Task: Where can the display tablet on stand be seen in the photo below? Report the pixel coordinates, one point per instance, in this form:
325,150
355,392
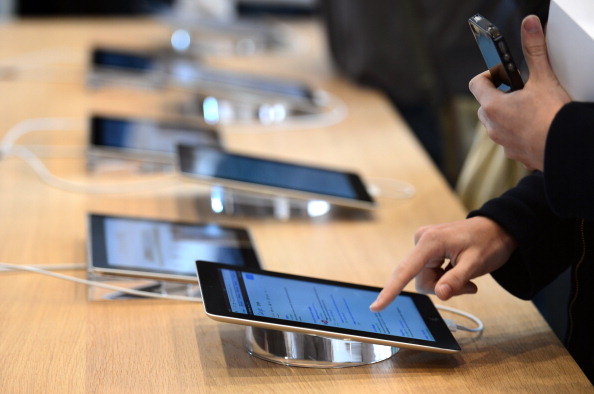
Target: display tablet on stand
149,143
274,178
278,301
159,251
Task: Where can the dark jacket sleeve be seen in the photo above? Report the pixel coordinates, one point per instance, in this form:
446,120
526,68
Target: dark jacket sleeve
546,241
569,162
544,210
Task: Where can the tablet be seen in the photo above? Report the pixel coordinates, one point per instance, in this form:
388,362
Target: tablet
262,175
144,139
124,60
188,71
321,307
157,249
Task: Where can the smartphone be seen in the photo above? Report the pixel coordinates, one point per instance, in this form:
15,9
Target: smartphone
144,139
163,250
327,308
273,177
504,71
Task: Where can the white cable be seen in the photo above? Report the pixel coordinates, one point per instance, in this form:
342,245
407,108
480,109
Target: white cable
67,185
54,267
38,124
140,293
479,324
8,147
46,270
390,188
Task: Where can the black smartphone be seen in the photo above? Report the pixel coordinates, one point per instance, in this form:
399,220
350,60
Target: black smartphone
504,71
247,296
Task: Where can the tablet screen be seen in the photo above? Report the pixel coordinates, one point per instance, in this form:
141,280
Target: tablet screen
140,247
334,307
123,59
145,135
246,171
321,304
189,71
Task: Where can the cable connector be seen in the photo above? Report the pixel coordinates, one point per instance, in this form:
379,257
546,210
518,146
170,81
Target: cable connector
453,326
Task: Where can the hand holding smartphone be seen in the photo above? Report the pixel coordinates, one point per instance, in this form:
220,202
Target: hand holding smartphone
504,71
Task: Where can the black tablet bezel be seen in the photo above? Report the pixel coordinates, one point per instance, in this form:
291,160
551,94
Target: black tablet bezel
363,200
215,304
97,249
97,134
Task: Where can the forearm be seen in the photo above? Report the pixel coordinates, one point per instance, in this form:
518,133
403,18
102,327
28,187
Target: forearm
545,240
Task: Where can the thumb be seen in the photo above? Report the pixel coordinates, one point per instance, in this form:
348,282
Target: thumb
535,48
455,281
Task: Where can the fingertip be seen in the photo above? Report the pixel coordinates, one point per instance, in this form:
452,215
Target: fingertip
532,25
443,291
376,306
382,300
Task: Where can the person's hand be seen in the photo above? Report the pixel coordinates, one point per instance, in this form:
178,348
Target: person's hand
471,247
520,120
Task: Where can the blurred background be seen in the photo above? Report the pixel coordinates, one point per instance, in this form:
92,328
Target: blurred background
419,53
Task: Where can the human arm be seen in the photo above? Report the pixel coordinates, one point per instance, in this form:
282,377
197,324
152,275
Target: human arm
569,162
516,237
520,120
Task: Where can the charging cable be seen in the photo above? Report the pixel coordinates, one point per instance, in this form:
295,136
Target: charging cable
8,147
453,326
47,271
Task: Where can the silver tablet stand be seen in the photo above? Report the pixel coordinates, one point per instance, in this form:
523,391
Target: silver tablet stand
285,347
238,203
312,351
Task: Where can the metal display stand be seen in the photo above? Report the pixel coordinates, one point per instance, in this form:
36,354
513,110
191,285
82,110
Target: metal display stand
312,351
284,347
238,203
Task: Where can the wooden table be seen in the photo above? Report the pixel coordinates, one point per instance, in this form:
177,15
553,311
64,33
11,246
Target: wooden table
53,339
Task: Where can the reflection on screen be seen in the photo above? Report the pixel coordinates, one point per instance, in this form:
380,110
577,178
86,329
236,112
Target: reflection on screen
149,136
492,60
321,304
169,247
122,59
216,164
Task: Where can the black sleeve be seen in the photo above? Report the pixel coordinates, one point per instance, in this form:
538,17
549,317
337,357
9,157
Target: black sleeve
569,162
546,241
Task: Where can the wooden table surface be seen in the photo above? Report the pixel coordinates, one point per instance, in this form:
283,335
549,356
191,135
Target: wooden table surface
53,339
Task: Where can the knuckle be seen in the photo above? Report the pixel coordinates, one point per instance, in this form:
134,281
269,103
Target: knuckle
537,50
429,234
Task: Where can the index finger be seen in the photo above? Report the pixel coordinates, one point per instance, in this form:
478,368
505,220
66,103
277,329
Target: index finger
406,271
482,87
